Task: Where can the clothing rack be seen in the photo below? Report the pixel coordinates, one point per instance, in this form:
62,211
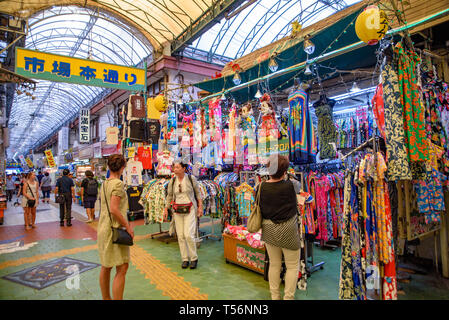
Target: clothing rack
308,247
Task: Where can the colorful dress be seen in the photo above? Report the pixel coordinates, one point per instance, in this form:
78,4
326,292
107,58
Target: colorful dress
303,144
397,158
414,112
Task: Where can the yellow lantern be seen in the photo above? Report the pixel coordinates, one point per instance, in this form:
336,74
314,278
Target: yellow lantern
160,103
371,25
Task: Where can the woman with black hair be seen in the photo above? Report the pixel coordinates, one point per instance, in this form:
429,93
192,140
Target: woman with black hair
183,197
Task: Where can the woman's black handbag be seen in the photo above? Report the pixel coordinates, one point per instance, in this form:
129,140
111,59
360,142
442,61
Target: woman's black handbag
119,235
60,199
31,203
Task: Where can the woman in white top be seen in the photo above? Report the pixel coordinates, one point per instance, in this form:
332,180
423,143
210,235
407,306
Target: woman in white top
30,193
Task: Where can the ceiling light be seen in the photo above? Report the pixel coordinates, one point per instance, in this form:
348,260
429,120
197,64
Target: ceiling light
355,88
223,97
180,101
237,79
258,95
307,72
309,47
19,92
273,65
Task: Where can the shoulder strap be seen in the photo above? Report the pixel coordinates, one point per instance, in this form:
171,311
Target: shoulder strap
193,187
30,189
106,200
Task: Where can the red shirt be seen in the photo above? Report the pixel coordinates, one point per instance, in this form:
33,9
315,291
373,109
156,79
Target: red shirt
145,155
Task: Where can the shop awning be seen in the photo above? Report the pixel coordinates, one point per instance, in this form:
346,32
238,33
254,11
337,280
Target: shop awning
323,34
290,52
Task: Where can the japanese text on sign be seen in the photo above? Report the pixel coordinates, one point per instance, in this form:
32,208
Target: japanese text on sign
84,125
52,67
50,159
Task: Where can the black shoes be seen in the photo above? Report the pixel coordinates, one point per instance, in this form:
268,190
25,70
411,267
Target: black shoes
61,223
193,264
69,223
185,264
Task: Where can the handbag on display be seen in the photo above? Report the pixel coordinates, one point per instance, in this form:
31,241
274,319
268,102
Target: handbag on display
31,203
119,235
255,219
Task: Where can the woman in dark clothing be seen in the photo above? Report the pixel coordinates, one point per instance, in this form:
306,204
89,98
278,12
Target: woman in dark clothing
278,206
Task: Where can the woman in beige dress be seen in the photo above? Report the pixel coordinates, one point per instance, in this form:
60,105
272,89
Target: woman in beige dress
30,192
113,195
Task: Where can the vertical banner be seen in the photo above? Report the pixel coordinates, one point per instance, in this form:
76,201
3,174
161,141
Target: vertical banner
22,160
63,140
50,159
29,162
84,121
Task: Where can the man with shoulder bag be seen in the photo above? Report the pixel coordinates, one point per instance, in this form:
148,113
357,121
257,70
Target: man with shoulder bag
89,192
64,195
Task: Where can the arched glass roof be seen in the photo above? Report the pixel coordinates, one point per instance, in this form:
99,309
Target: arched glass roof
159,20
77,32
262,23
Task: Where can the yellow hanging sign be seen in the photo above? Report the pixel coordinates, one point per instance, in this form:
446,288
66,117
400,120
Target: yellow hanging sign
29,162
50,159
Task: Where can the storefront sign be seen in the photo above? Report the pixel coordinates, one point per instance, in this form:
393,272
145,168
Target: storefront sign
86,153
107,150
53,67
84,125
268,148
50,159
250,256
97,150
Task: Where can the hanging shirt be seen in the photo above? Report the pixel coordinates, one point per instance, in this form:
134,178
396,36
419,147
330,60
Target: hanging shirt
136,107
144,155
134,173
164,163
112,135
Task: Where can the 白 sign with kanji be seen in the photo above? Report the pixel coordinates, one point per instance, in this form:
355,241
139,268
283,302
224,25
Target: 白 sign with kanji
84,125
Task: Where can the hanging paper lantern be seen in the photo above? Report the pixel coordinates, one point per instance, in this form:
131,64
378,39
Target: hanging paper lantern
160,103
371,25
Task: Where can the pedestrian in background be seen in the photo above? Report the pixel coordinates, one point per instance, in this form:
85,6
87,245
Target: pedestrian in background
114,207
10,187
66,188
30,200
45,185
89,192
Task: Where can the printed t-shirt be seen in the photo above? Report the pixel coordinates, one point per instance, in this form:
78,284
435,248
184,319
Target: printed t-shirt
144,155
112,135
134,173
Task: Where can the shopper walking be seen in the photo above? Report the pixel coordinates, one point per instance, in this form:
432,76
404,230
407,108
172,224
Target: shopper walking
89,192
46,187
30,200
278,207
66,188
10,187
114,198
39,177
183,198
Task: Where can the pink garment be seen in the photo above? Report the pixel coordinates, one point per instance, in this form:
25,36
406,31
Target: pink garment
322,188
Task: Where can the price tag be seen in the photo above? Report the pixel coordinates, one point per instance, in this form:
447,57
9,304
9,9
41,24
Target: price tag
247,196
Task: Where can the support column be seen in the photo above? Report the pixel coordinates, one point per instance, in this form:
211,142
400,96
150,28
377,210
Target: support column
443,238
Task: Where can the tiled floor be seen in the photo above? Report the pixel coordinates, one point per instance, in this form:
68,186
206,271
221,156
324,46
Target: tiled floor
155,272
